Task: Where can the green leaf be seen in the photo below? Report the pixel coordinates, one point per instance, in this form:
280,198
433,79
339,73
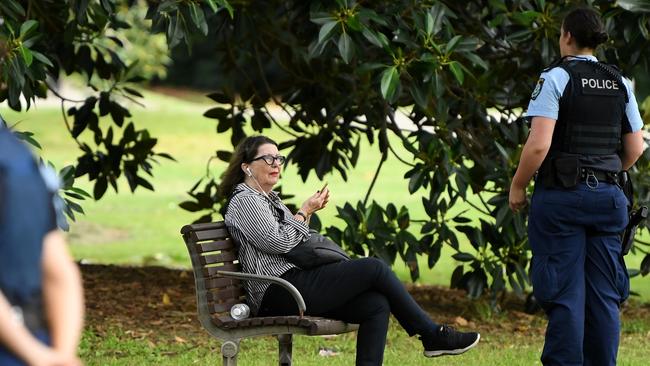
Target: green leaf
468,44
213,5
12,8
191,206
133,92
525,18
476,60
354,23
456,69
645,265
100,188
451,45
346,47
498,4
420,95
438,85
326,31
463,257
369,14
28,57
27,28
389,82
322,18
40,57
80,192
27,137
502,151
376,38
643,27
635,6
438,13
429,24
198,18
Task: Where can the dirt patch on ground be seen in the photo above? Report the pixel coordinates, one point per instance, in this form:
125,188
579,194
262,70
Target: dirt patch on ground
158,303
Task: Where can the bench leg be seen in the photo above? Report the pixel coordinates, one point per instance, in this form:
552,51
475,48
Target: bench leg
229,350
284,346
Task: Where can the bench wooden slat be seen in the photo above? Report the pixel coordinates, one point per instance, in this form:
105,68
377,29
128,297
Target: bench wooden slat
223,307
212,271
226,256
207,226
211,246
221,282
225,294
225,321
256,321
215,234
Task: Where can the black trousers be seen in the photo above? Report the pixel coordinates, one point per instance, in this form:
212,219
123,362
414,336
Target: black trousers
361,291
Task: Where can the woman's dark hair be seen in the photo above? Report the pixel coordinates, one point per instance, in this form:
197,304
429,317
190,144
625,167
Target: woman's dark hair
585,27
244,153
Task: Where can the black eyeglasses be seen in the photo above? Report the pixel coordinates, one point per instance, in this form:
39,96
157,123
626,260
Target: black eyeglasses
269,159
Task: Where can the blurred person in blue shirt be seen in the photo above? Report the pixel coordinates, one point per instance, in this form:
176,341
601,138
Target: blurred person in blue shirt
41,299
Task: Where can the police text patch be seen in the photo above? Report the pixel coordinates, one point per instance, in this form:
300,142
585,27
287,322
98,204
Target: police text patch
538,88
598,84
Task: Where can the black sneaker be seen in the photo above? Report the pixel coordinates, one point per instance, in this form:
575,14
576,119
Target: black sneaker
449,341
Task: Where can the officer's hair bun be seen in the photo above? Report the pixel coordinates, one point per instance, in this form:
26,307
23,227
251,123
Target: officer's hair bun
600,37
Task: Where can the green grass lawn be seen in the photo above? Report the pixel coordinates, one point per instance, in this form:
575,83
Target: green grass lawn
143,227
497,348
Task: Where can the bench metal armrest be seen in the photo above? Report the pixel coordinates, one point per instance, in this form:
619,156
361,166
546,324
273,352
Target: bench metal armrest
276,280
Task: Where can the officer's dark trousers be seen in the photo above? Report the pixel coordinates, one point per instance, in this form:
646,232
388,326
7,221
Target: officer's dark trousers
577,271
361,291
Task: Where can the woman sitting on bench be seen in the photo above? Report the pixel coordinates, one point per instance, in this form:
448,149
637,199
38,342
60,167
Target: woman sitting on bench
361,291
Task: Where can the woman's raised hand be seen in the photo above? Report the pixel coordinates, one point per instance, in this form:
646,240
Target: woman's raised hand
316,202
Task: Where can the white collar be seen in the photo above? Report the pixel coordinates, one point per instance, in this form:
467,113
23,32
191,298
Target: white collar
584,57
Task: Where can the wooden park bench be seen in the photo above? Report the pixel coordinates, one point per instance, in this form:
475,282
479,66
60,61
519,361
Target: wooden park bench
218,280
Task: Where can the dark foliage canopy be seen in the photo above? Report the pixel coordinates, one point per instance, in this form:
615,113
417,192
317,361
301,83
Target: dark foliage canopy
460,72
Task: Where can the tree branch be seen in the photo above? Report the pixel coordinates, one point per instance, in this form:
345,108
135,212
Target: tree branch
374,179
67,124
268,90
51,88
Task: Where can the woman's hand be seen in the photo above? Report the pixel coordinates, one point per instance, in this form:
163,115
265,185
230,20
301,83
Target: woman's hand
316,202
517,198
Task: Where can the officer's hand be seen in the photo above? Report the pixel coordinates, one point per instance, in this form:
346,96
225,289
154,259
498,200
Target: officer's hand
47,356
517,198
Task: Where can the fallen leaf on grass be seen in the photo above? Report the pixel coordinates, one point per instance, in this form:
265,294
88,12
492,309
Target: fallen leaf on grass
327,352
329,336
460,321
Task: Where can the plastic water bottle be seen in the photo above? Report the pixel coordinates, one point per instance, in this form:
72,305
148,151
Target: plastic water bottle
240,311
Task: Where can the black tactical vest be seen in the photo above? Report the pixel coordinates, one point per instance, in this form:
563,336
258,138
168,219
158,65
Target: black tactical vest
591,115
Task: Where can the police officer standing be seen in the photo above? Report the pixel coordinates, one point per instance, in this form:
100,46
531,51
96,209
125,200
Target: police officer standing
585,130
41,301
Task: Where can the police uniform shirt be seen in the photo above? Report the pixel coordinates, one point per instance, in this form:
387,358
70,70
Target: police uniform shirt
545,100
26,215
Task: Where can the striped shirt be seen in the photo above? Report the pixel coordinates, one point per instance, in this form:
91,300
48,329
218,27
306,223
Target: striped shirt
263,230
